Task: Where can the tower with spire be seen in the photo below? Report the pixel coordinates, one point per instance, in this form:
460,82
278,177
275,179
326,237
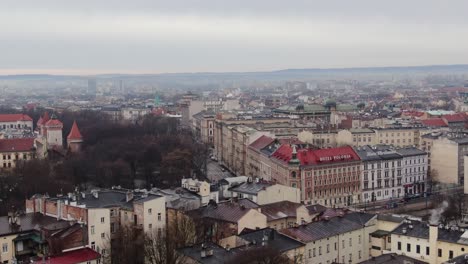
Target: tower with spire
74,139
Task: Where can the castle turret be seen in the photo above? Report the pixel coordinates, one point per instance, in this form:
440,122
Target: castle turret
53,133
74,139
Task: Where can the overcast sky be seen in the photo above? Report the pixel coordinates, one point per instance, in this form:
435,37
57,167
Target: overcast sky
151,36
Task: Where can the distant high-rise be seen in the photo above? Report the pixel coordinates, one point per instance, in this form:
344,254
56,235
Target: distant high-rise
92,86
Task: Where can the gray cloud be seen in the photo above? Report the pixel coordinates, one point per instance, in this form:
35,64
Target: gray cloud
214,35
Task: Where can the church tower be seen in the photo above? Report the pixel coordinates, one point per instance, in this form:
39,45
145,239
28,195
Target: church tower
74,139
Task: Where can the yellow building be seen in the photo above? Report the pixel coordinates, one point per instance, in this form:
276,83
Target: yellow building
431,243
14,150
340,239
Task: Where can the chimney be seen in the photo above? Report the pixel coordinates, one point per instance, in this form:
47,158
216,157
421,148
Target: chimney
95,193
433,234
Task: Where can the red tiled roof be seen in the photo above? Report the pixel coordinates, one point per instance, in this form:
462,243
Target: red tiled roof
458,117
81,255
53,122
14,117
317,156
16,144
434,122
261,142
74,132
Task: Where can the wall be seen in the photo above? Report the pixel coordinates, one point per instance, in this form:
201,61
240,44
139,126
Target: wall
444,161
253,220
157,217
278,193
101,233
7,256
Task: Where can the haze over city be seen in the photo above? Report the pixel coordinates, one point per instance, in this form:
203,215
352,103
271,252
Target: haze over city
92,37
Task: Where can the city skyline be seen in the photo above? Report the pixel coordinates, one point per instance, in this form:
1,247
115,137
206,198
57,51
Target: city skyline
158,37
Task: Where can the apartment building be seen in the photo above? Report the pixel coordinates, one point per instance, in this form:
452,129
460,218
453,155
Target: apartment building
381,174
286,214
104,212
399,136
263,192
16,121
325,176
447,160
428,242
14,150
203,126
341,239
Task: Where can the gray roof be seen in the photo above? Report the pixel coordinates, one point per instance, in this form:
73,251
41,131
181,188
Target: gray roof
180,198
410,151
462,259
251,188
377,152
421,230
30,222
111,198
392,258
224,211
328,228
391,218
271,238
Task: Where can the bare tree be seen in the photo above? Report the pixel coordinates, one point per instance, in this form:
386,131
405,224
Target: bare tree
162,248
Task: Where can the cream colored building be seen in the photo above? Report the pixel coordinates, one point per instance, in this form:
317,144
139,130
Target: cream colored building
201,188
341,239
262,192
323,138
399,137
430,243
285,214
381,238
14,150
447,159
356,137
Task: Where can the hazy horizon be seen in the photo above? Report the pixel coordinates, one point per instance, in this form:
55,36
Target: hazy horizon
151,37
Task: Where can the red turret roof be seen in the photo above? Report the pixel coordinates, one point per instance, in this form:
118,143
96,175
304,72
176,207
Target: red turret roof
43,119
74,132
53,122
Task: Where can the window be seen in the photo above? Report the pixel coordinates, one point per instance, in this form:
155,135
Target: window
102,219
313,251
418,249
320,251
439,252
112,212
399,245
427,251
343,243
359,239
350,242
112,227
450,254
92,230
159,216
328,248
93,245
103,235
150,211
5,247
359,254
310,253
408,247
150,226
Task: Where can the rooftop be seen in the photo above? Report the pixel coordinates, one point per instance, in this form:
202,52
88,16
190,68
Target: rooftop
280,210
308,156
251,187
328,228
392,258
16,144
81,255
30,222
14,117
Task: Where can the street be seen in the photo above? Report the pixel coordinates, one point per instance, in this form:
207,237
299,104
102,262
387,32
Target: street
215,173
